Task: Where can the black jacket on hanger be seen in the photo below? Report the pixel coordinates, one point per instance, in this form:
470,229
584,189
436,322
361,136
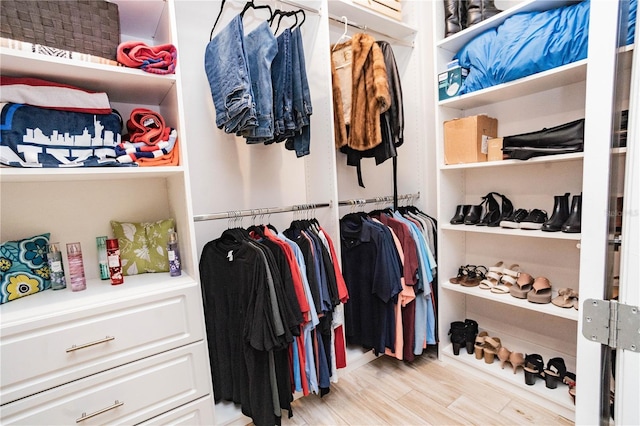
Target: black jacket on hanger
391,121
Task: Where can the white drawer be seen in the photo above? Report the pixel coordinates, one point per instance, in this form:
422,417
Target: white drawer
39,354
198,412
146,388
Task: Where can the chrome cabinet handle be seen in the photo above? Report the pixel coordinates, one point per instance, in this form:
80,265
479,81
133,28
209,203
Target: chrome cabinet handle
86,345
86,416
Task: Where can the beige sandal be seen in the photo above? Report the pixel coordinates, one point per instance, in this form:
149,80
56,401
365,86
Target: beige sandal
492,278
566,298
523,285
491,347
541,291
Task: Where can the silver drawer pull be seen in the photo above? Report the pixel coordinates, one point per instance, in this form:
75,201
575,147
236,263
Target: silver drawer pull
86,416
86,345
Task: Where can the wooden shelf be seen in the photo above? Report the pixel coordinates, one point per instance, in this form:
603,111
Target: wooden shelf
578,156
16,174
558,397
372,20
507,299
511,232
557,77
122,84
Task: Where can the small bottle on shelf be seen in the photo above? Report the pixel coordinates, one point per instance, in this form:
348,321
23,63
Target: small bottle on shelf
102,257
173,251
76,267
54,259
113,259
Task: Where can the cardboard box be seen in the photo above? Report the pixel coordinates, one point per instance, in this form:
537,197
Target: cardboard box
450,82
495,149
466,139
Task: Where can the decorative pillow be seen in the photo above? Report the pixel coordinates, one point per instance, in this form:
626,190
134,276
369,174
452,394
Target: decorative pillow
23,267
143,246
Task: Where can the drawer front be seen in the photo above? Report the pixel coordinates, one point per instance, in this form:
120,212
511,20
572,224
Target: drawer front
198,412
71,346
125,395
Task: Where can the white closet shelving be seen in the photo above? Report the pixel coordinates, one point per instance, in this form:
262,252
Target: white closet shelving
150,314
542,100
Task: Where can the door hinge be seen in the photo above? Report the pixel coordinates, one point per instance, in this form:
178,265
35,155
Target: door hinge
611,323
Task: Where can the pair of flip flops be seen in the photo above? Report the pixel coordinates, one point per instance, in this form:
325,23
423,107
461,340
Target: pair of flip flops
567,298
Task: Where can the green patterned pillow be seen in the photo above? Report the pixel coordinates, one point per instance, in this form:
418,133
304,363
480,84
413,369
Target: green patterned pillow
143,246
23,267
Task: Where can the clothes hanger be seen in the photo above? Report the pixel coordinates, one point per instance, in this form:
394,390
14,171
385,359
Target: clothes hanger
252,5
217,19
344,36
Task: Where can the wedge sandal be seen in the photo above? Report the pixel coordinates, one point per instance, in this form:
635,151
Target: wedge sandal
522,287
540,292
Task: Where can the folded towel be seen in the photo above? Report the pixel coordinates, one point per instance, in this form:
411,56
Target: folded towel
127,152
155,59
145,125
51,95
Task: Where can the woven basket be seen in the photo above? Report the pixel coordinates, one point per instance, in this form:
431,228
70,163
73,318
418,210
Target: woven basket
85,26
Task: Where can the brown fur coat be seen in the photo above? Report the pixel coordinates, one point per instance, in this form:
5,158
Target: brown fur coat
369,94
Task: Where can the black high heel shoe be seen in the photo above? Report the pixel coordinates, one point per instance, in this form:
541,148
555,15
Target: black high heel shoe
555,372
506,210
491,216
458,333
471,333
533,368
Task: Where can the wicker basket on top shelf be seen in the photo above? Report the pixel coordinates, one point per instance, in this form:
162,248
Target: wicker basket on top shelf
85,26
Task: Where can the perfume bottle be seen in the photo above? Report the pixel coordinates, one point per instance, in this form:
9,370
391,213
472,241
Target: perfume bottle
76,267
113,259
103,267
173,251
54,259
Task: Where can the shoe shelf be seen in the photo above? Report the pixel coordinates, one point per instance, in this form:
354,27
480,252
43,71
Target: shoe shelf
547,308
512,232
559,397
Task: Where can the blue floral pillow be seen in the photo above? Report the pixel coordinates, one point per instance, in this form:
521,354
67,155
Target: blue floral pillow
23,267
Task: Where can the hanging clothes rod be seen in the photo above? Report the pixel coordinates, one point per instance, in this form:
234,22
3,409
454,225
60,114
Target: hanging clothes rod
388,198
257,212
365,29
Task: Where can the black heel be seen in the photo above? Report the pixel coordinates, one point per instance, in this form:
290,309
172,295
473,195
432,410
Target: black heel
470,335
458,332
533,366
492,215
555,371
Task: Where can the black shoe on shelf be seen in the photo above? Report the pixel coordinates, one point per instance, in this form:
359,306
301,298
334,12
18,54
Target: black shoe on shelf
461,212
513,221
534,220
458,333
560,214
573,223
491,216
474,215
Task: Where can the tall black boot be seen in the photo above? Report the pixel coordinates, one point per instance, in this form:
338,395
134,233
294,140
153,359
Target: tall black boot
458,335
479,10
560,214
573,223
455,16
470,335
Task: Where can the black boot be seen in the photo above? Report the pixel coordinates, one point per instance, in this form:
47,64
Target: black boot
479,10
572,224
461,212
455,16
471,333
458,333
560,214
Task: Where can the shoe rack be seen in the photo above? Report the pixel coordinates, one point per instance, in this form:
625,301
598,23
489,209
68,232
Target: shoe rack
546,99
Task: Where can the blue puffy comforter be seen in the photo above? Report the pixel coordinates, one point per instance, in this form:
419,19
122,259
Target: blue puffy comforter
530,42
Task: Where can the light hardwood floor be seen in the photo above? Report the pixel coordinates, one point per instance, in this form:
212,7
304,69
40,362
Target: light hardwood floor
426,392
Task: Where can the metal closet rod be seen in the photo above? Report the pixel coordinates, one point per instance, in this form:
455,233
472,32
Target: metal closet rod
257,212
357,201
351,24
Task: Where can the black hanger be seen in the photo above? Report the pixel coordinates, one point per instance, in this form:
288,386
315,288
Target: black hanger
252,5
248,5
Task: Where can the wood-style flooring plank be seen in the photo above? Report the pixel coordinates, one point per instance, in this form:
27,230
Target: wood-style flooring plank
426,391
